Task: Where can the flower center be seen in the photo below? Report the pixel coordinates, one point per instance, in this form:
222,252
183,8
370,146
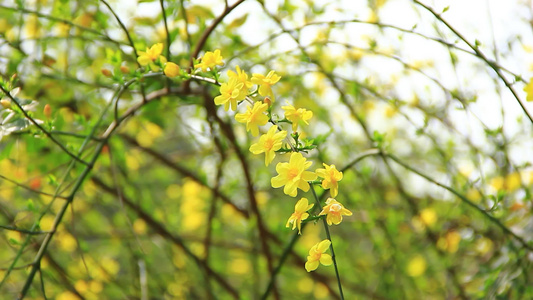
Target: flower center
317,255
335,208
293,172
269,143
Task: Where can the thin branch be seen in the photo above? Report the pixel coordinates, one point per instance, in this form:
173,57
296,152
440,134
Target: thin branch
30,232
56,19
161,230
464,199
328,235
30,189
481,55
48,134
203,39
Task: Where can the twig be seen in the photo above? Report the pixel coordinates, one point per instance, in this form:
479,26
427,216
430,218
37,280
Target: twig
328,235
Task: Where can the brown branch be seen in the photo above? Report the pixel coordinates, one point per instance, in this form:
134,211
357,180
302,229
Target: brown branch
230,135
184,172
211,28
165,233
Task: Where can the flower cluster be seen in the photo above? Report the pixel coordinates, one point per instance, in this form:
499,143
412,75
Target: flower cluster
257,91
294,174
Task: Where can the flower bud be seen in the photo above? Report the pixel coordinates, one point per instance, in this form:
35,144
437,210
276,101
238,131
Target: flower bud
106,73
124,70
5,103
171,69
267,101
47,111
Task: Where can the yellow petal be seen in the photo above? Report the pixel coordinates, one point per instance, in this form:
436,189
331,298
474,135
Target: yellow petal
311,265
326,259
324,245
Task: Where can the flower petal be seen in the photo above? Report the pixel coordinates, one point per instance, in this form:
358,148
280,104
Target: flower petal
326,259
311,265
323,246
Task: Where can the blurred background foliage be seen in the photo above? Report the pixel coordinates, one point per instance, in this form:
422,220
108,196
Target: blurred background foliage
164,213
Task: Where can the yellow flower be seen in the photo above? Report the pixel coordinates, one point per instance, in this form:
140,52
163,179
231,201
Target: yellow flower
210,60
150,55
171,69
230,93
316,254
269,143
334,211
254,117
331,178
529,90
299,214
297,115
265,83
293,175
241,76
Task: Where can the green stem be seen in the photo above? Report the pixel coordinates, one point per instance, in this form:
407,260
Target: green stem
464,199
284,256
330,246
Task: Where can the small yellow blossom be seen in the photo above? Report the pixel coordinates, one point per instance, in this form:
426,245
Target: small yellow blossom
334,211
331,178
293,175
151,54
241,76
416,266
529,90
171,69
265,83
210,60
269,143
33,27
428,216
5,103
297,115
449,242
512,182
316,255
299,214
230,93
254,117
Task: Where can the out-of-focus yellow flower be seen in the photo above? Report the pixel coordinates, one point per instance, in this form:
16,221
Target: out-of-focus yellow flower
293,175
428,216
316,255
139,226
331,178
254,117
513,181
241,76
299,214
151,55
334,210
268,143
5,103
240,266
449,242
417,266
210,60
33,26
62,29
171,69
67,296
497,183
230,93
265,83
297,115
473,195
529,90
